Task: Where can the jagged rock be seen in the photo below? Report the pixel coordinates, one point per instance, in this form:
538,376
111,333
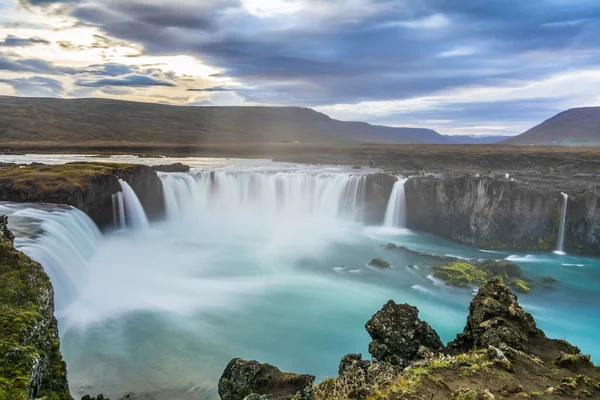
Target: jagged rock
573,362
242,378
497,319
398,334
99,397
176,167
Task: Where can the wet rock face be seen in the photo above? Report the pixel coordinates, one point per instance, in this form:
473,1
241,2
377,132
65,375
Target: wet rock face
399,336
485,212
582,233
31,365
242,379
378,190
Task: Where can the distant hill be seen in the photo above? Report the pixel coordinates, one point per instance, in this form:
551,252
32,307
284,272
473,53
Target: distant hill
471,139
99,121
574,127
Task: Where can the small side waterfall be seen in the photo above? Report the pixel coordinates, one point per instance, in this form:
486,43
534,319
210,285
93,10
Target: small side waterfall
560,243
395,214
274,195
61,238
130,208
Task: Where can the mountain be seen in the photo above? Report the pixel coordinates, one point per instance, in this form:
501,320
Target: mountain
577,126
114,122
472,139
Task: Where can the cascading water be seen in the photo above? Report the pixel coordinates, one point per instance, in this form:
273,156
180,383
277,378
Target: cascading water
130,208
560,243
395,215
271,195
60,238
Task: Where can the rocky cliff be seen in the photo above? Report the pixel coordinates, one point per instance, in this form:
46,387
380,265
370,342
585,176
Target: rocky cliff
378,190
31,366
489,213
500,354
582,233
86,186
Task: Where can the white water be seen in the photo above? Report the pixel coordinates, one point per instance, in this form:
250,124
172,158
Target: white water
61,238
560,243
395,215
132,210
274,196
253,264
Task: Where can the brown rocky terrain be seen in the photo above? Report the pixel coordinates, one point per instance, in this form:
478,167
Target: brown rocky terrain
501,354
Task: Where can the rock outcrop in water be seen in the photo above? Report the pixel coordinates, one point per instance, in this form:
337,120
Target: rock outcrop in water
31,366
501,354
86,186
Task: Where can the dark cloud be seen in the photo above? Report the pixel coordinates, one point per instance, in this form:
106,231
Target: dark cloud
403,51
212,89
132,80
14,41
10,63
36,86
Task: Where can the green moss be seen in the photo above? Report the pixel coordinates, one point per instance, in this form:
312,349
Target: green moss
23,288
45,179
520,285
460,274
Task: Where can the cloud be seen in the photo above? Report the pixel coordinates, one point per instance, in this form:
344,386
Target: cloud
373,59
133,80
36,86
14,41
34,65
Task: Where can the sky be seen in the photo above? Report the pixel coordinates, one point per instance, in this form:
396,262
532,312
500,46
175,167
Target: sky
493,67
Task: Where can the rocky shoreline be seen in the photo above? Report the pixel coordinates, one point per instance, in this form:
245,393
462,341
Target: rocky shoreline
501,354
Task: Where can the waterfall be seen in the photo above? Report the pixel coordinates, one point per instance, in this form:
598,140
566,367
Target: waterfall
560,243
395,214
273,194
130,208
61,238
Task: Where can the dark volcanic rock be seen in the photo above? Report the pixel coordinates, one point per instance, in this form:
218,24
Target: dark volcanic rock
176,167
242,378
497,319
399,336
582,233
485,212
378,190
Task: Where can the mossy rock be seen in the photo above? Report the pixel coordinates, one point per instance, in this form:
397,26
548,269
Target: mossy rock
391,246
460,274
378,262
519,285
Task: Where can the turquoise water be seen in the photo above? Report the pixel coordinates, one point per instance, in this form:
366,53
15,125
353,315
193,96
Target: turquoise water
163,311
266,264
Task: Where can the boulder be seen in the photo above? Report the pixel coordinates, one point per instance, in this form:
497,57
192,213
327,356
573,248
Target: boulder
243,378
378,262
497,319
399,336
